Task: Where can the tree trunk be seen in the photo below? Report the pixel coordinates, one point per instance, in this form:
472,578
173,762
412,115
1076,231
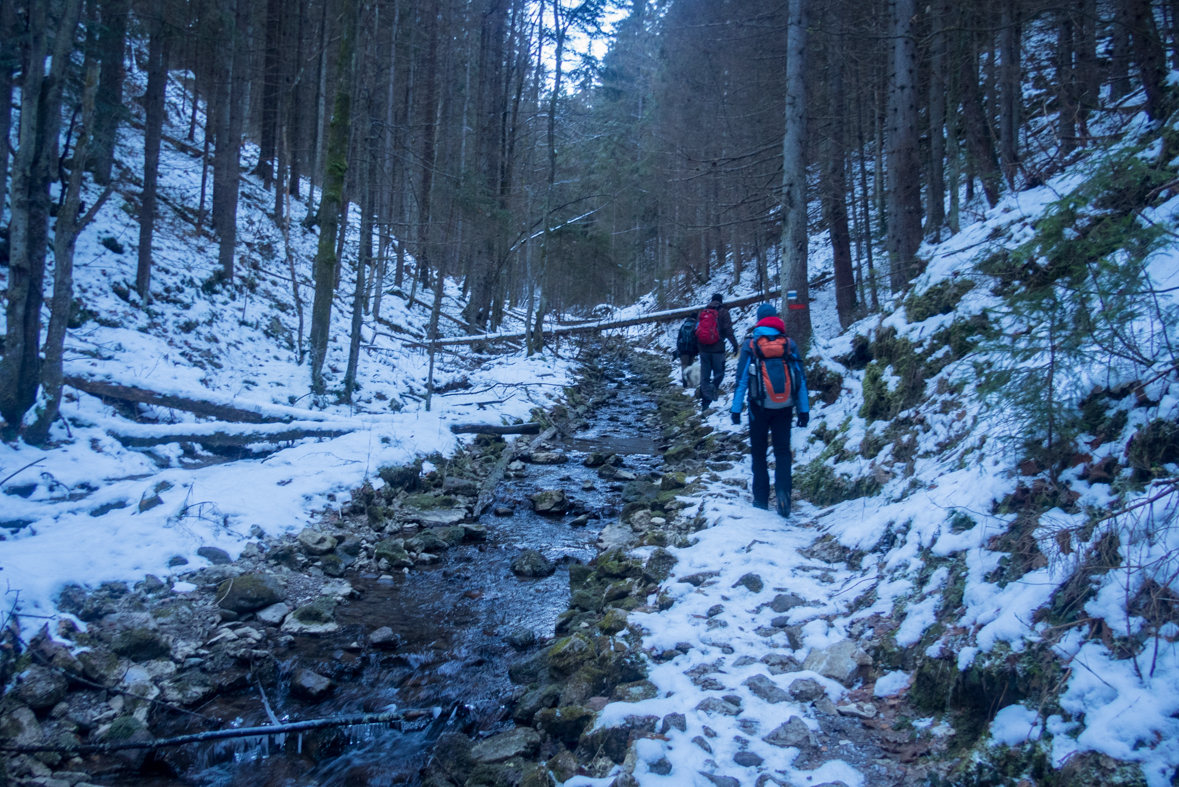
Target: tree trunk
1066,125
939,70
978,141
238,86
112,37
904,169
270,85
865,210
1148,54
1011,91
65,234
363,260
153,101
796,312
835,180
9,62
335,170
1119,61
41,94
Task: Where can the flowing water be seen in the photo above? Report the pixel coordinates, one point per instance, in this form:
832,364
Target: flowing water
451,617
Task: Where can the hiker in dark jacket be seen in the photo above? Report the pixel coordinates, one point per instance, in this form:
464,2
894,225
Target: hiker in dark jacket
765,356
685,346
713,327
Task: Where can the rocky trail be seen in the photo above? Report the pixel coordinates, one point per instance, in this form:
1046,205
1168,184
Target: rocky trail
585,629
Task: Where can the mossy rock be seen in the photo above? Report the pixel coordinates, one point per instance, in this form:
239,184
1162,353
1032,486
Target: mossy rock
322,610
402,477
615,564
579,576
613,623
587,600
940,298
818,483
424,502
250,592
565,724
679,453
140,643
568,655
671,481
123,729
635,691
393,550
659,566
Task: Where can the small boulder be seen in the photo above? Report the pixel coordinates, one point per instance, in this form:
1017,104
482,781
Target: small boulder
20,727
580,521
784,602
521,638
384,638
659,566
332,565
806,689
310,685
188,690
531,563
318,617
550,502
839,662
763,687
137,637
250,592
672,481
718,705
502,511
273,615
793,733
752,582
673,721
393,551
747,759
218,557
456,485
520,742
41,688
314,542
566,723
857,710
442,517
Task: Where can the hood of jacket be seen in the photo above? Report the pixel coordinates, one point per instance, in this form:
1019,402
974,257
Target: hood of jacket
775,323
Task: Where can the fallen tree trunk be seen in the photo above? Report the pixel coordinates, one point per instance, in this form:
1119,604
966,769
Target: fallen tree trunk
220,735
202,407
489,429
590,327
211,435
517,448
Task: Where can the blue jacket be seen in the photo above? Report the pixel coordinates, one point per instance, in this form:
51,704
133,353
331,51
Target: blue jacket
800,402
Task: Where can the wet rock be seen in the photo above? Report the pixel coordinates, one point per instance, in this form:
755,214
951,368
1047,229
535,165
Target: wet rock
720,781
547,458
187,690
250,592
273,615
521,638
752,582
672,481
332,565
839,662
550,502
640,520
659,565
531,563
218,557
793,733
393,551
857,710
20,726
784,602
588,485
763,687
673,721
568,655
310,685
806,689
607,472
503,511
717,705
747,759
535,701
443,517
624,475
384,638
318,617
426,541
41,688
613,623
598,459
474,533
520,742
128,729
613,741
564,724
313,542
580,521
529,670
516,466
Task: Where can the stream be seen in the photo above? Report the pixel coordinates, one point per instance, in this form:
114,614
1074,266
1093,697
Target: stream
452,619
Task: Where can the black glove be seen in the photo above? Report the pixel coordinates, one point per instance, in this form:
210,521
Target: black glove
803,419
735,418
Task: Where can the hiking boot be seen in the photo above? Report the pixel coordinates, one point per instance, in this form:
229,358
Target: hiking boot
762,506
705,404
783,511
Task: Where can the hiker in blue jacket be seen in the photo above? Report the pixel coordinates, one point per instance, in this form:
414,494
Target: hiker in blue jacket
770,372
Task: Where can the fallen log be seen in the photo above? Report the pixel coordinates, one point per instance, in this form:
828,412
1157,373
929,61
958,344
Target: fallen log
217,435
517,448
219,411
220,735
599,325
489,429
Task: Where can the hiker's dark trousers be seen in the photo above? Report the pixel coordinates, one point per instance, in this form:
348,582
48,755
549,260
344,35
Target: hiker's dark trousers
712,371
761,422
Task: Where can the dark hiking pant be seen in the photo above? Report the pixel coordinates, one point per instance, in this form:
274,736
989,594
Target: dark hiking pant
761,423
712,371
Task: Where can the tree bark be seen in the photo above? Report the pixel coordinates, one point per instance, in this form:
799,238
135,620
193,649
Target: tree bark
270,86
939,70
9,62
796,312
41,96
112,37
1148,54
835,179
335,170
978,141
65,234
1066,124
238,85
153,100
1010,89
904,169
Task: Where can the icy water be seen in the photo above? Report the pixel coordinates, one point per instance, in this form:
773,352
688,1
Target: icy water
452,618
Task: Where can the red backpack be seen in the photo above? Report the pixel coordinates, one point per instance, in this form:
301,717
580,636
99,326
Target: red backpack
773,388
708,327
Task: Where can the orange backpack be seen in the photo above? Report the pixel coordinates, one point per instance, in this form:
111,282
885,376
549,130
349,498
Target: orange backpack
773,388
